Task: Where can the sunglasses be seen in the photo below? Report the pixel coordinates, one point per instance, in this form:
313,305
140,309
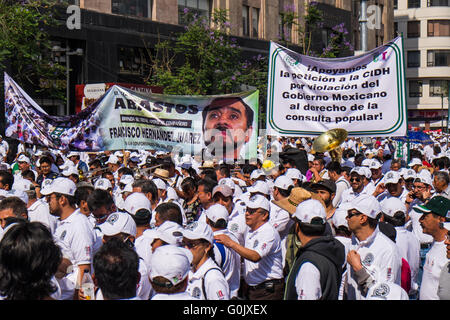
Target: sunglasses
351,214
355,179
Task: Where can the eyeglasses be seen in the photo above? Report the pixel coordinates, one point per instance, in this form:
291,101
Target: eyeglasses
351,214
419,187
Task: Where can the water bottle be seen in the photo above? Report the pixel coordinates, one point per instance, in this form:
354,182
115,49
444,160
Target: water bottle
87,284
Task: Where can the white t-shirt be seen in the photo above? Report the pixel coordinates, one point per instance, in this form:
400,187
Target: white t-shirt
266,242
216,286
307,282
435,260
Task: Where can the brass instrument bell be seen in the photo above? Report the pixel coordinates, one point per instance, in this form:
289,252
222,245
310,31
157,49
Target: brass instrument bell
330,140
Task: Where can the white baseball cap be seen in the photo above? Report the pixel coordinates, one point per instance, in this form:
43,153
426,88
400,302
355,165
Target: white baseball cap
171,262
308,210
73,154
409,173
340,215
60,185
367,205
359,170
366,162
227,182
446,225
135,202
258,201
225,190
102,183
414,162
118,154
69,171
424,176
127,179
283,182
294,173
310,157
257,173
198,230
23,158
217,212
22,195
375,164
386,291
392,205
127,188
160,184
170,232
392,177
113,159
259,186
118,222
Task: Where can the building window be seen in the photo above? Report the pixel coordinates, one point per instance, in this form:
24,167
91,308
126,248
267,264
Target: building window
133,61
136,8
255,22
413,4
246,21
413,29
437,87
395,4
413,59
438,28
415,88
439,3
199,7
438,58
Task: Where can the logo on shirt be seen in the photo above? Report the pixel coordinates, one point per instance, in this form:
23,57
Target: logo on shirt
63,235
220,295
255,244
234,227
381,291
390,175
196,293
368,260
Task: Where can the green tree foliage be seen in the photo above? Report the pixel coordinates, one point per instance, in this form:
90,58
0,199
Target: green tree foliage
211,60
25,48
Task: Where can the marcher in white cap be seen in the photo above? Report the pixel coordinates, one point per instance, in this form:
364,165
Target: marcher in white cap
263,270
392,186
415,164
394,212
357,186
228,260
373,256
314,276
296,176
169,275
120,225
104,184
280,219
206,279
74,233
168,232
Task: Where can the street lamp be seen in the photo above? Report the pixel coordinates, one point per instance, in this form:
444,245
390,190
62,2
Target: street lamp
77,52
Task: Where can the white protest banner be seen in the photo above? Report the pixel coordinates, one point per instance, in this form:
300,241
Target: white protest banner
222,126
364,95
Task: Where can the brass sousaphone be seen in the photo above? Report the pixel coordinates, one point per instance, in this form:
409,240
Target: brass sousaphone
330,142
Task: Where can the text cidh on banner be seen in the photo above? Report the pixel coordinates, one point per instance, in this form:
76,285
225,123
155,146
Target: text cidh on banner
364,95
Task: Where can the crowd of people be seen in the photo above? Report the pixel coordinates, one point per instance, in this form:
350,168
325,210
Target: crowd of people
372,224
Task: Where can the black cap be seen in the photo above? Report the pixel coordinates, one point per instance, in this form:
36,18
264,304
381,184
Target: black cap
327,184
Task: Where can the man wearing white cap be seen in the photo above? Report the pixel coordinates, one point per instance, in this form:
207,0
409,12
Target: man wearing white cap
394,213
74,233
206,279
169,274
280,219
263,270
228,260
314,276
415,164
392,186
114,164
120,225
357,186
373,256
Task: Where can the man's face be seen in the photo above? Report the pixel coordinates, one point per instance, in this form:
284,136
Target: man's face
227,122
111,179
23,166
376,173
325,195
429,223
439,185
227,202
5,213
254,217
395,166
357,182
419,189
317,165
204,197
395,189
45,168
54,206
102,213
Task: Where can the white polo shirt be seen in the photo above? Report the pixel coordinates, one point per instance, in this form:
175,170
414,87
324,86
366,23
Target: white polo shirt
348,195
307,282
380,257
416,228
39,211
281,220
409,247
216,286
236,223
230,263
266,242
435,260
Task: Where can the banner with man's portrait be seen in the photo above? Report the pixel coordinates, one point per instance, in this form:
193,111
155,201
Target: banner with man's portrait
224,127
